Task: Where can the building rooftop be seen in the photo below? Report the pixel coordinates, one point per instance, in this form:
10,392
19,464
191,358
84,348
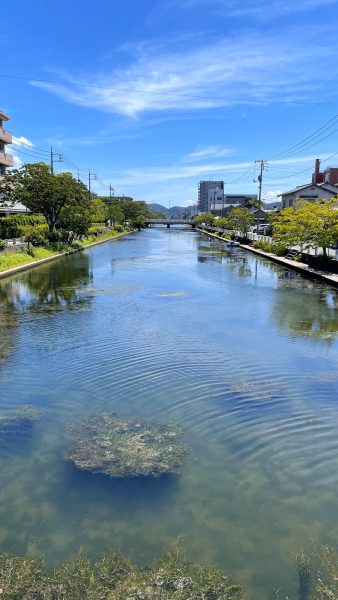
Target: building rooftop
3,116
325,186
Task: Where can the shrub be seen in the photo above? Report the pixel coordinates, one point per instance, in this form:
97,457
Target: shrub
96,229
10,226
119,228
35,234
274,248
2,245
262,245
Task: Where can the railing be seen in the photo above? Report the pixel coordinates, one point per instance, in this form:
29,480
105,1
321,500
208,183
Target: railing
6,159
5,136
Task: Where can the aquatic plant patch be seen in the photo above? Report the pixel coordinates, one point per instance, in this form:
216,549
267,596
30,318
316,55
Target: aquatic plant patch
107,444
18,418
114,578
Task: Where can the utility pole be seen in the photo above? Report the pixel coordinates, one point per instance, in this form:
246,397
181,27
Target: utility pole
53,159
91,176
111,191
260,181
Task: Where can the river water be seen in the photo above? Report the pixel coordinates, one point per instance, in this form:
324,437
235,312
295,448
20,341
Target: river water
242,354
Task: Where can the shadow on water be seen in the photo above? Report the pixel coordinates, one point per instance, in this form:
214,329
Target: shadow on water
125,494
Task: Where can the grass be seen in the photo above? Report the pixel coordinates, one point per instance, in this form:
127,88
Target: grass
97,238
119,448
10,260
115,578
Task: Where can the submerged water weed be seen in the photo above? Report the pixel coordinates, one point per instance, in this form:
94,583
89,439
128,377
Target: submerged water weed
106,444
18,418
115,578
318,573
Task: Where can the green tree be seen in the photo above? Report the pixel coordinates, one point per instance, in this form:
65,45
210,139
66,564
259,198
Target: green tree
115,213
240,219
133,210
41,192
75,221
99,211
206,217
312,224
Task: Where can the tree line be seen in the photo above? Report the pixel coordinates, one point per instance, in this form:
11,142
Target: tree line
61,207
306,224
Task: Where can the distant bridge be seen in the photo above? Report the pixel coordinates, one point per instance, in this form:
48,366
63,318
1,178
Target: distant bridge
169,222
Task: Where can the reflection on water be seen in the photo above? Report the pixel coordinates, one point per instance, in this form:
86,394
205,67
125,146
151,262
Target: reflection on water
306,308
241,353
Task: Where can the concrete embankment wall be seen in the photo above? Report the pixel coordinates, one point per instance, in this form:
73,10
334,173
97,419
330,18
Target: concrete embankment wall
301,268
43,261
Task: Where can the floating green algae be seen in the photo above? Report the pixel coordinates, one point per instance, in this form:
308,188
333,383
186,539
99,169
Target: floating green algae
106,444
115,578
18,418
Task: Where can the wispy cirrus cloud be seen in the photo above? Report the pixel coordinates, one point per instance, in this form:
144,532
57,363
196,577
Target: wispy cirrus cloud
224,170
262,10
207,152
238,69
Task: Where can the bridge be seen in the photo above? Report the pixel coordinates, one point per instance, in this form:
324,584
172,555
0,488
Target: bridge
169,222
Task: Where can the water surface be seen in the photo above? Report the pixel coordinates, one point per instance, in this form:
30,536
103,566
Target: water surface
167,324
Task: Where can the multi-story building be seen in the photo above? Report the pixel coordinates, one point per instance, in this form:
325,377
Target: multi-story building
204,187
6,160
215,199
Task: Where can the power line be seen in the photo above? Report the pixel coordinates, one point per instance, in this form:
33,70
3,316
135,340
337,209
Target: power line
168,93
292,150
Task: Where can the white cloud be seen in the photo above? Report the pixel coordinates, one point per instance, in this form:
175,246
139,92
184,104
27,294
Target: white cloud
177,183
179,171
246,67
20,141
207,152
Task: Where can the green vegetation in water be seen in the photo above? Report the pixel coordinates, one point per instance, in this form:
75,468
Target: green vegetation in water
115,578
318,573
118,448
16,419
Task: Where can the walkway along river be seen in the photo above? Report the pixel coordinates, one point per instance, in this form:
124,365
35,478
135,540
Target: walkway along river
240,352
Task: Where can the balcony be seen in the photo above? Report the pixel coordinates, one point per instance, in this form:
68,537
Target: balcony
6,159
5,136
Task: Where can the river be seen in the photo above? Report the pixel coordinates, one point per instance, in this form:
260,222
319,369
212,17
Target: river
167,324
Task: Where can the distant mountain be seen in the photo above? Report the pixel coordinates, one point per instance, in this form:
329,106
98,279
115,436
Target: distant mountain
175,211
159,209
272,205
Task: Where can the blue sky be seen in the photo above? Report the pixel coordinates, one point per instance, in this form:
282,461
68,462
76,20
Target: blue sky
202,88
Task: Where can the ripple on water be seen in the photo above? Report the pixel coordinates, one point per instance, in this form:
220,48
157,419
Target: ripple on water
167,336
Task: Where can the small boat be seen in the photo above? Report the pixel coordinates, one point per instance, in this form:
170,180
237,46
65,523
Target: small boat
232,244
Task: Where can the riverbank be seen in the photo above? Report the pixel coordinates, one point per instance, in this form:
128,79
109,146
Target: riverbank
299,267
44,255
